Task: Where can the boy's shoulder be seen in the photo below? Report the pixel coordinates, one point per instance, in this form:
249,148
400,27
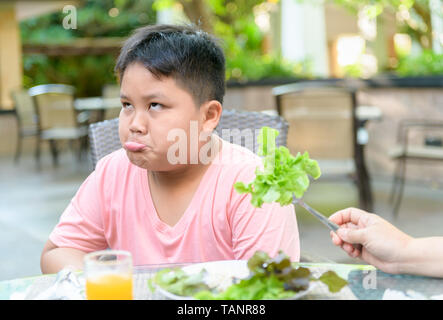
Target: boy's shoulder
115,161
234,154
236,160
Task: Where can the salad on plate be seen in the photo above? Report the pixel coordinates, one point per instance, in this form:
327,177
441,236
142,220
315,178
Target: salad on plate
259,278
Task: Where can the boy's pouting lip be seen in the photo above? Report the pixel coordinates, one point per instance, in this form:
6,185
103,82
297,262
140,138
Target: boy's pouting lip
134,146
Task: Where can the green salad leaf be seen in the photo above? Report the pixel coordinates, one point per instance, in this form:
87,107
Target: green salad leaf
333,281
253,288
283,175
180,283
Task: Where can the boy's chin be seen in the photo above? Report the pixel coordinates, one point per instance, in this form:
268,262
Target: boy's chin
139,161
147,164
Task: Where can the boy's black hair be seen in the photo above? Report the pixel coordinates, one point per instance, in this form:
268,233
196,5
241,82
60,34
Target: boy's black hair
191,56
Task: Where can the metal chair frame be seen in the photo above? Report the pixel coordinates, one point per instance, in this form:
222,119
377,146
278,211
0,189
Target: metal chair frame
36,91
21,131
403,131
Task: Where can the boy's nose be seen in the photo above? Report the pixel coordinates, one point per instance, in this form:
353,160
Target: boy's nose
138,124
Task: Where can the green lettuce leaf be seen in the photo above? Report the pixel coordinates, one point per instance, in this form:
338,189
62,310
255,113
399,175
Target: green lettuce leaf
333,281
283,175
178,282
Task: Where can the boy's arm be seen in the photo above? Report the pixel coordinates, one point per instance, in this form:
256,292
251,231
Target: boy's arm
79,230
53,258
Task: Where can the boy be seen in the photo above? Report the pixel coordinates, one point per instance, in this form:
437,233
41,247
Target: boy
163,211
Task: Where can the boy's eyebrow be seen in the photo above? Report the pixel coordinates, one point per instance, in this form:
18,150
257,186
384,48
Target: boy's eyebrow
145,97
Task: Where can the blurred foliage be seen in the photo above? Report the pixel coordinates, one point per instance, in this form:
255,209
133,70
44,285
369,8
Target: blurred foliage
427,63
231,21
88,73
244,67
374,7
353,70
414,16
417,22
93,20
243,41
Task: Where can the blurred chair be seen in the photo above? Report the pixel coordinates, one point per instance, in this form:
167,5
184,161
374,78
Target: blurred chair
57,118
322,120
103,139
416,150
26,118
111,92
243,129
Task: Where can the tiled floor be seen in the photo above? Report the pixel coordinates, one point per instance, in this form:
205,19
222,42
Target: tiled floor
31,202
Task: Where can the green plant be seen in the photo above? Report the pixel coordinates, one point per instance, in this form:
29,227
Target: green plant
244,66
242,40
87,73
353,70
426,63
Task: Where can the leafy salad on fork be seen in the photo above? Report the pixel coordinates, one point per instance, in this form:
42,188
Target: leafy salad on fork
283,174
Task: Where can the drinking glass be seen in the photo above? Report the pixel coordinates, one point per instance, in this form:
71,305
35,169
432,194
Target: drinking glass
108,275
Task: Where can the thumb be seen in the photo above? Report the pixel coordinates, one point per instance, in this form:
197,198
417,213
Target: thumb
352,235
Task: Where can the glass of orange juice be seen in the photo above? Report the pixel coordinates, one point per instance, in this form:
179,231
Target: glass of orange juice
108,275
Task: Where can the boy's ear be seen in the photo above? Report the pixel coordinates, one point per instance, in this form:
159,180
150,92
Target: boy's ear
210,113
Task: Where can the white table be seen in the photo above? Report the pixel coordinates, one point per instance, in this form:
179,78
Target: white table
98,104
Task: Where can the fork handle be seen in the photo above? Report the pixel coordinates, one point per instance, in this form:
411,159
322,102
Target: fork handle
331,225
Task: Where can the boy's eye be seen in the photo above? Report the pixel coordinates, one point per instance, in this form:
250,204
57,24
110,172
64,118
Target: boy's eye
126,105
155,106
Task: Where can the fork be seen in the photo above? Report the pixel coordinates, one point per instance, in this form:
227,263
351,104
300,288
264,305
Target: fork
328,223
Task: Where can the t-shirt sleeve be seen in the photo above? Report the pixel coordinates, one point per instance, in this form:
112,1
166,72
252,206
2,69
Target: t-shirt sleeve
81,224
270,228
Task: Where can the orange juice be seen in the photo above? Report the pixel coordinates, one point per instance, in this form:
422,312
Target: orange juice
109,287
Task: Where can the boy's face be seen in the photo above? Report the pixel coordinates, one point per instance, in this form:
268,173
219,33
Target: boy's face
152,107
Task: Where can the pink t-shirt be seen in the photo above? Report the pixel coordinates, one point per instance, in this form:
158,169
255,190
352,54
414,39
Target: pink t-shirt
113,209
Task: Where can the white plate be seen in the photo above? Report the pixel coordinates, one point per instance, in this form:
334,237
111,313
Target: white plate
225,268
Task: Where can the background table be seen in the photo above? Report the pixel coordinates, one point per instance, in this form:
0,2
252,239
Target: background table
98,104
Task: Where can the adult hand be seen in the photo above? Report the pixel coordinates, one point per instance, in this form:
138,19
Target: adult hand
383,245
